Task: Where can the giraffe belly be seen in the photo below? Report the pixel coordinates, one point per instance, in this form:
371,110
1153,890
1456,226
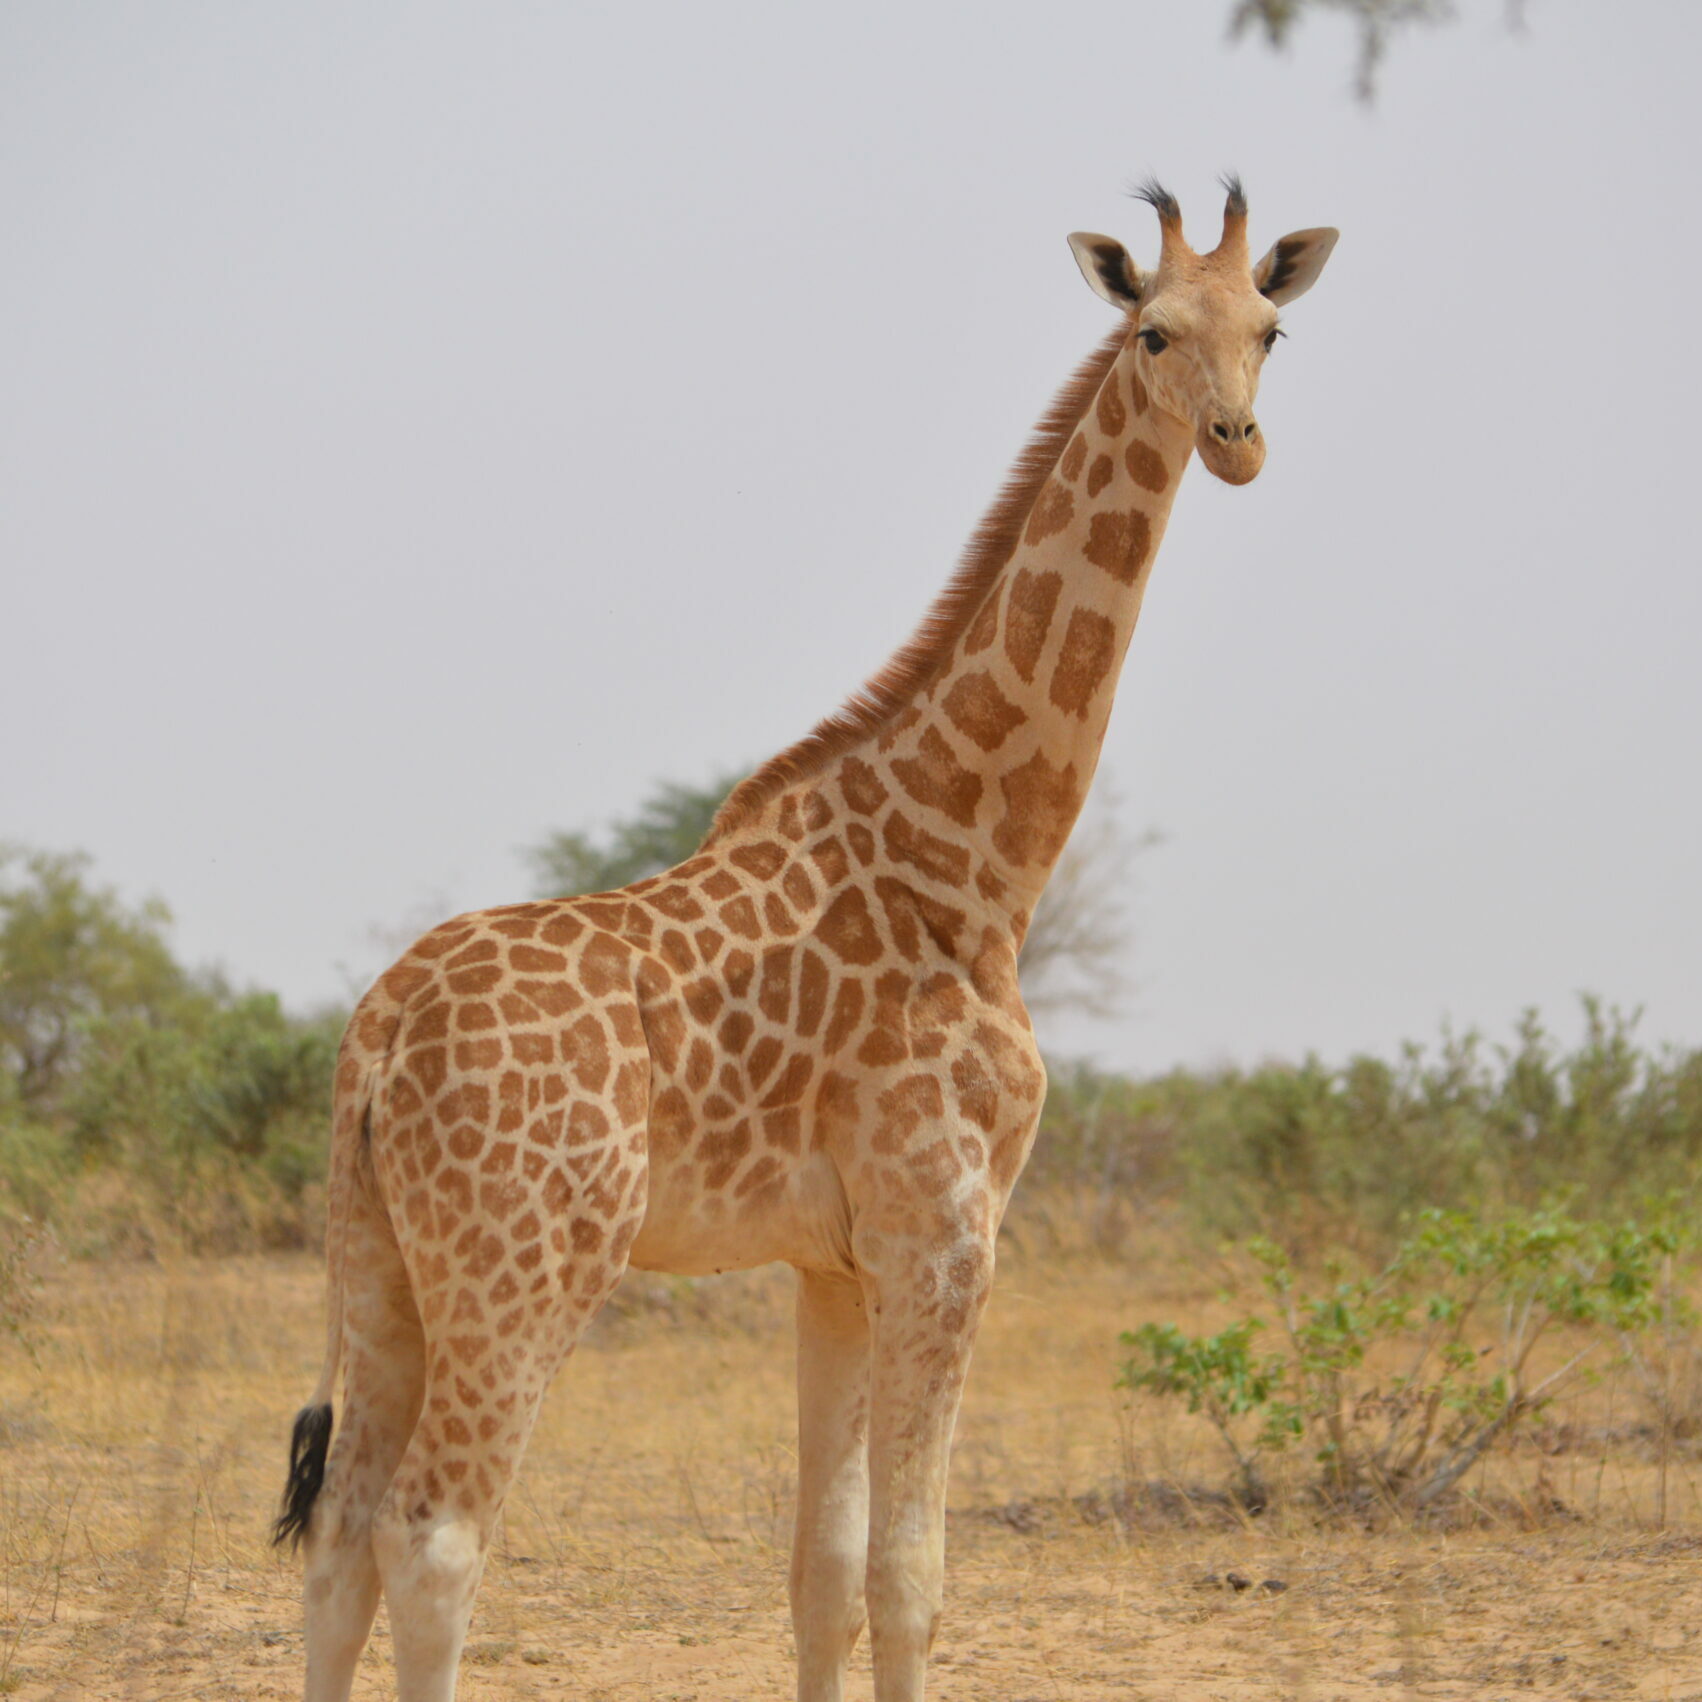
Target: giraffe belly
798,1216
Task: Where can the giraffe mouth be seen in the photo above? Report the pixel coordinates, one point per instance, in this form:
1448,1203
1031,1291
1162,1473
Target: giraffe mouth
1236,463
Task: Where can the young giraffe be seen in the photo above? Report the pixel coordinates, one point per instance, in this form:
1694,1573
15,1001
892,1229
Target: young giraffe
805,1044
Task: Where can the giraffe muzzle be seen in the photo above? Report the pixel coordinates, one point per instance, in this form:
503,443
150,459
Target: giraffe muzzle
1232,447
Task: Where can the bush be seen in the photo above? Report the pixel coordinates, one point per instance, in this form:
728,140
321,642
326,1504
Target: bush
224,1122
1398,1382
1312,1154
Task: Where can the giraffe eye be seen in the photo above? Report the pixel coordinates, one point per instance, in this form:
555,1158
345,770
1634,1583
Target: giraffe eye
1271,337
1156,342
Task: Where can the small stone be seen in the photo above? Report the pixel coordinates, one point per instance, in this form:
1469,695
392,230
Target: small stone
1273,1586
1238,1581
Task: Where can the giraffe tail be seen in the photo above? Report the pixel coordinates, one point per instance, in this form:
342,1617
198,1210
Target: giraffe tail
310,1437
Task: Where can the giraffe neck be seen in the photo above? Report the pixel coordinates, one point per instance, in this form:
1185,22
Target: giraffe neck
995,752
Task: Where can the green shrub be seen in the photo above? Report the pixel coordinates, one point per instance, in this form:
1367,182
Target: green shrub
224,1122
1313,1154
1397,1382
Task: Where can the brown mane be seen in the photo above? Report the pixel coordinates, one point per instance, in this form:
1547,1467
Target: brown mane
915,663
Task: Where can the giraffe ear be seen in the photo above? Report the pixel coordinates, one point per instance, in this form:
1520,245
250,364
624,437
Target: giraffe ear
1109,271
1293,264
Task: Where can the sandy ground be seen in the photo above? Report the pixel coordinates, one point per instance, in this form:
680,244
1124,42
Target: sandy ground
643,1553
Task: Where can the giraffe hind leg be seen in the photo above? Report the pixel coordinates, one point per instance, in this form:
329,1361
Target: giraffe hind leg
504,1296
383,1377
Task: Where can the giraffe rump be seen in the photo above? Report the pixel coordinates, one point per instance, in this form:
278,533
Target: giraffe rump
310,1442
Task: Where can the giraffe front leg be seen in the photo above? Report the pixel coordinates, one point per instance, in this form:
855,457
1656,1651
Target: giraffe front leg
830,1539
927,1306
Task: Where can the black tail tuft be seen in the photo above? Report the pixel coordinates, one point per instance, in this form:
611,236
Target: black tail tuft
310,1441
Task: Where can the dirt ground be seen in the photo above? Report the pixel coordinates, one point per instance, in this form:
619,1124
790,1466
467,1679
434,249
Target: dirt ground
643,1554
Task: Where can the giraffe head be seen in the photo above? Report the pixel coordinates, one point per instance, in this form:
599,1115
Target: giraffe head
1204,323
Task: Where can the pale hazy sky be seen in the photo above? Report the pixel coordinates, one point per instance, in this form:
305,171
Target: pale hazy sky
423,426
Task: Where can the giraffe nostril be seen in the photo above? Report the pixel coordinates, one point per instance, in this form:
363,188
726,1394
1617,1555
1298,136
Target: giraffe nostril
1250,430
1220,431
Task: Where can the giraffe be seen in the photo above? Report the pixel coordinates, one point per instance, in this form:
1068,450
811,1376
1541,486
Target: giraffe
804,1044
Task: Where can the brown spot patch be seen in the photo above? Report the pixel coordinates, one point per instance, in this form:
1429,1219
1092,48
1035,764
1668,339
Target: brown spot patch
405,980
977,1092
1089,649
764,860
553,998
862,786
983,629
533,960
799,889
1040,808
774,988
765,1054
603,965
936,779
789,1085
847,1012
444,938
862,842
739,917
1146,466
937,858
704,999
478,1054
848,930
700,1065
632,1090
1138,395
529,1048
1051,513
585,1124
1070,467
1033,599
1109,411
429,1066
903,1109
980,711
670,1123
910,915
722,1151
585,1050
888,1039
518,1010
676,951
666,1029
738,970
813,982
678,902
829,857
1099,475
1119,543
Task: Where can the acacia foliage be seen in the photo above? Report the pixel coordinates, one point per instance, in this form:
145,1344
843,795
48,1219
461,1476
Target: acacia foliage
142,1102
1314,1154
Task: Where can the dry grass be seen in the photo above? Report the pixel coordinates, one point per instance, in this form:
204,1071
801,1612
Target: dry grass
643,1553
